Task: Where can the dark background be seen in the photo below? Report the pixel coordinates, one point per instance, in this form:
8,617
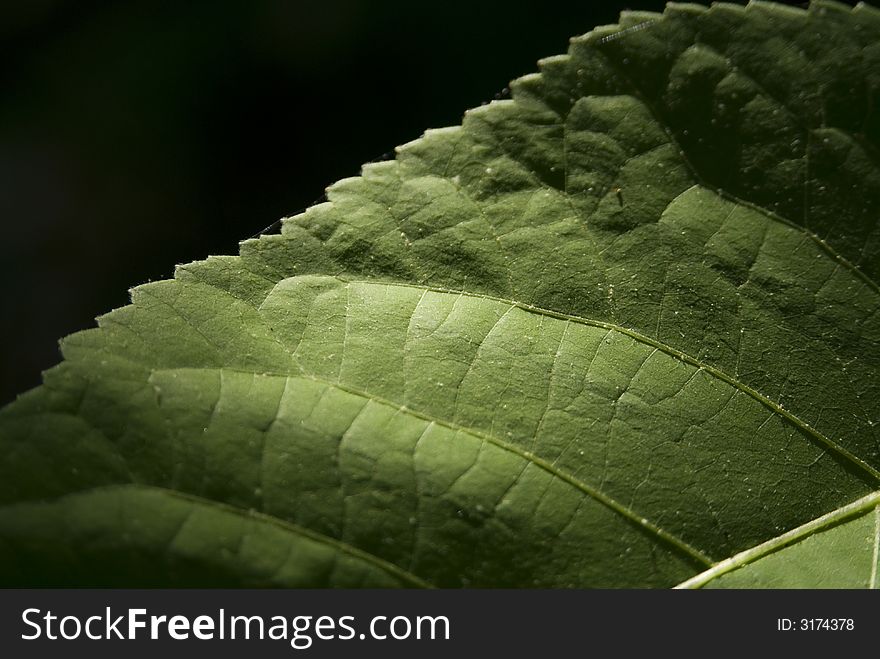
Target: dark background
138,135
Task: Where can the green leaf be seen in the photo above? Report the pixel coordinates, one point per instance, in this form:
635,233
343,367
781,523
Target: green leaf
622,330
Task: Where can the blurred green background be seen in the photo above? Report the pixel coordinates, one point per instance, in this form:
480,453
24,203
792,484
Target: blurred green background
138,135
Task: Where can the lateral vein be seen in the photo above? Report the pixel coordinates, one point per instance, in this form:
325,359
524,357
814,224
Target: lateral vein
826,442
631,516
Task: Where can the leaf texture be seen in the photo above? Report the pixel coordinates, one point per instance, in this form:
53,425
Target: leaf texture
621,331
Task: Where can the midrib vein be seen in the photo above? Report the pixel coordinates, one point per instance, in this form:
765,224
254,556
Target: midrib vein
631,516
825,442
792,536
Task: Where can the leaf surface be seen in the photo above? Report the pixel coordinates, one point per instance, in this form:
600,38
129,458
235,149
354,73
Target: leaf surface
617,331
